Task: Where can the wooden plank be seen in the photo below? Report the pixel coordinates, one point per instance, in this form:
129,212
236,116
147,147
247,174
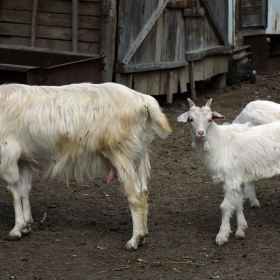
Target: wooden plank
213,22
124,79
163,82
47,32
74,25
252,11
182,79
142,35
220,9
251,3
169,91
34,22
175,80
252,20
48,19
53,6
107,38
180,4
25,5
92,48
151,66
154,83
140,81
159,35
192,81
197,55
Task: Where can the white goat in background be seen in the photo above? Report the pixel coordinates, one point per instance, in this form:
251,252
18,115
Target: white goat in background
75,131
257,112
233,154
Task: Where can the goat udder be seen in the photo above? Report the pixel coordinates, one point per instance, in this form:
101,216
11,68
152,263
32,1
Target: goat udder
112,174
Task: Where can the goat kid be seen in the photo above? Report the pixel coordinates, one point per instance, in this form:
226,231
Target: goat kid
233,154
76,131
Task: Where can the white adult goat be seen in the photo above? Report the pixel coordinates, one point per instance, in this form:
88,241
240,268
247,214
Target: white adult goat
233,154
257,112
75,131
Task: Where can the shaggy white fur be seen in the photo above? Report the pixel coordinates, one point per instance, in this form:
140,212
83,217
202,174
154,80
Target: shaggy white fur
75,131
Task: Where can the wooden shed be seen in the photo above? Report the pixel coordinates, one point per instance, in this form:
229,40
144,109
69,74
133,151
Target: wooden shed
256,27
157,47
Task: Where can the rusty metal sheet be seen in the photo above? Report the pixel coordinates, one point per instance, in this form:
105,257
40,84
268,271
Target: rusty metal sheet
181,4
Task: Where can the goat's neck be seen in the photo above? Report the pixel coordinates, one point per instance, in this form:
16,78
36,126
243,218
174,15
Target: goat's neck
209,142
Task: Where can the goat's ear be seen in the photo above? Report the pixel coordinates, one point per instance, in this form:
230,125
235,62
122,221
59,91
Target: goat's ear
183,117
209,102
191,103
217,116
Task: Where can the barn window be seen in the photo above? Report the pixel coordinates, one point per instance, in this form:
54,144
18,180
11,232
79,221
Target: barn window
253,13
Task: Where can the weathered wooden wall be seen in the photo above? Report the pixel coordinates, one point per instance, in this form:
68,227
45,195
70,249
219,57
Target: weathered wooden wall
53,24
157,61
160,45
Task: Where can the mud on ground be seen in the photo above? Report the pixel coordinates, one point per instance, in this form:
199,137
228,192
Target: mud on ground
87,226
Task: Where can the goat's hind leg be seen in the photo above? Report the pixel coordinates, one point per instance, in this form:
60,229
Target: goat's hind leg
25,171
250,193
143,174
241,222
137,202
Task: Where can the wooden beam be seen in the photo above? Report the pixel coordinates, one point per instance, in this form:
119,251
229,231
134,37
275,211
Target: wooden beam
145,30
33,23
140,67
108,30
218,50
74,25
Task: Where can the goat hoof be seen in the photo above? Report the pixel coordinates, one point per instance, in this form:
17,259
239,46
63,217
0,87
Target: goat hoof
221,243
239,237
255,206
130,248
12,238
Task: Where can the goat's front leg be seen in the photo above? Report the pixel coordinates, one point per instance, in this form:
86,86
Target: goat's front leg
250,193
227,208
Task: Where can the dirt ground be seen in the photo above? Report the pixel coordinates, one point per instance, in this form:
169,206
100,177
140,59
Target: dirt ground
87,226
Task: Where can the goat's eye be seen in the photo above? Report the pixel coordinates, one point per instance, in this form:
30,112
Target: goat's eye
190,119
210,120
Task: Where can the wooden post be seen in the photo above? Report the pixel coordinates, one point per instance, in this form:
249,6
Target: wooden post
74,25
33,23
108,31
170,87
192,82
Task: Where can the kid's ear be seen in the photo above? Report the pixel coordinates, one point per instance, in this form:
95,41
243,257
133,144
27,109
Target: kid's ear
191,103
209,102
183,117
217,116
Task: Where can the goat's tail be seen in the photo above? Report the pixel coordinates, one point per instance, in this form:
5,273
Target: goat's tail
160,123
